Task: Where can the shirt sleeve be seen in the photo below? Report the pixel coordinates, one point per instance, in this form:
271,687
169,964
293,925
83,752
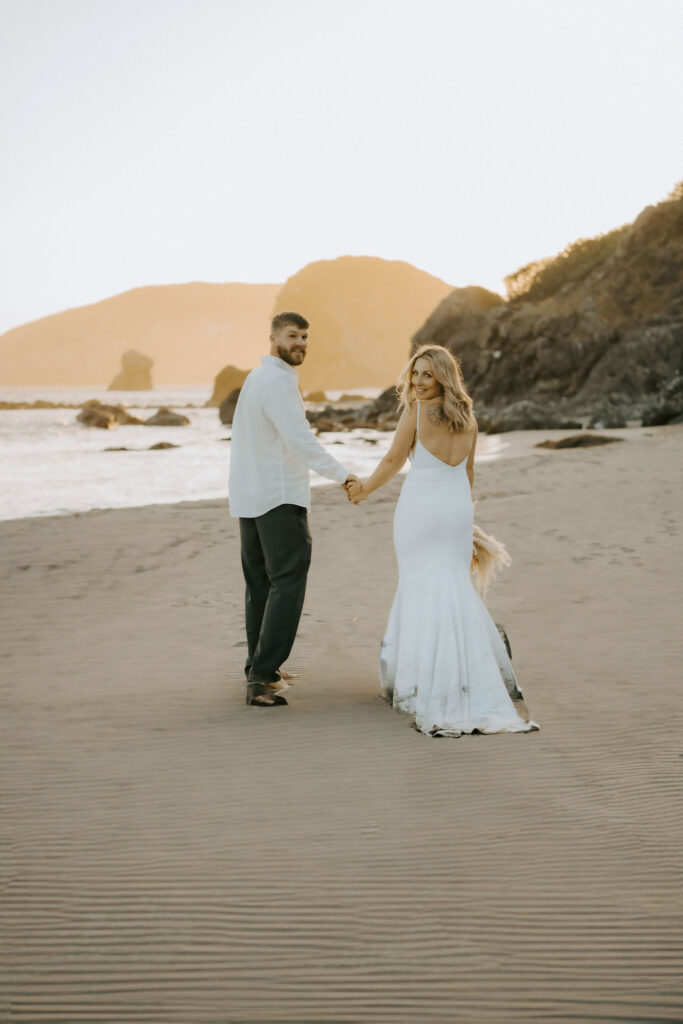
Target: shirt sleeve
285,409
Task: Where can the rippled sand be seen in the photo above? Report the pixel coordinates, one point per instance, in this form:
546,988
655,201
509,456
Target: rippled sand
170,855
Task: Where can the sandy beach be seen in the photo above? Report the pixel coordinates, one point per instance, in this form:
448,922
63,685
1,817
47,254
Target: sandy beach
170,855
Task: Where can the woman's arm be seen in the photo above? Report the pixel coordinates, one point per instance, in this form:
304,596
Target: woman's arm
404,437
469,468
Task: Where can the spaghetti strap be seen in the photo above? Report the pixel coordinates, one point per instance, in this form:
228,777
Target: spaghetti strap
413,447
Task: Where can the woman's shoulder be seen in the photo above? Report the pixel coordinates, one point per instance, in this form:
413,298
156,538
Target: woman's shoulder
471,427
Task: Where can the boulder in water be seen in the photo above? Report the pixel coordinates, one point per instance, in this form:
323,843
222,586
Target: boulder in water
380,414
96,414
165,417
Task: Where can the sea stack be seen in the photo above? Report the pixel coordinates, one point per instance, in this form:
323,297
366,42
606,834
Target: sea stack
135,373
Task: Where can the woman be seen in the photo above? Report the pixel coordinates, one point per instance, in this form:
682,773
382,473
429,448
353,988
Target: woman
442,660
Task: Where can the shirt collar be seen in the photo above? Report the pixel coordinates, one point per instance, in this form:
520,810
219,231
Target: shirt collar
276,361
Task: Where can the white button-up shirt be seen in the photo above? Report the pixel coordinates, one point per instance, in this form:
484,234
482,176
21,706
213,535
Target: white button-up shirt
273,446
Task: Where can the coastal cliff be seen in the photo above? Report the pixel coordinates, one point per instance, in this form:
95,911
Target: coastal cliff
596,331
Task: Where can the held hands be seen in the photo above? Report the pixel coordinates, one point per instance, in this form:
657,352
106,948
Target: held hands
354,489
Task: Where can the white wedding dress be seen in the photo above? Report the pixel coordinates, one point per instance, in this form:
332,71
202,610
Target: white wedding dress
442,660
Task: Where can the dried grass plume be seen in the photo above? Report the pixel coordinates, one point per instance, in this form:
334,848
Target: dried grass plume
488,556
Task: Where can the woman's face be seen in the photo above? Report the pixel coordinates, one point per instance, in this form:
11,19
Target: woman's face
425,383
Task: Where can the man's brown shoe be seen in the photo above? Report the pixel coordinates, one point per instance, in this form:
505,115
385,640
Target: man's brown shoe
261,695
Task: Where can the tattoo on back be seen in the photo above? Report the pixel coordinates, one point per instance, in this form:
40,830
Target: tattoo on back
435,415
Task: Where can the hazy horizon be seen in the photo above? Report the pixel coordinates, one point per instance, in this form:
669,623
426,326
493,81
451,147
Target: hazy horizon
170,142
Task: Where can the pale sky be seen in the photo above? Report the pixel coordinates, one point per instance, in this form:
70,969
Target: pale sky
161,141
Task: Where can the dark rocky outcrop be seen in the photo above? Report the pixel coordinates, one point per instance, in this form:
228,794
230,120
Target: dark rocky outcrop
227,407
165,417
578,441
225,382
97,414
315,396
135,373
386,404
527,416
593,334
667,406
330,418
152,448
380,414
605,416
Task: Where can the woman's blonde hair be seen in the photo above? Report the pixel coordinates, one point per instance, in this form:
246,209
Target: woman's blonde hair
457,404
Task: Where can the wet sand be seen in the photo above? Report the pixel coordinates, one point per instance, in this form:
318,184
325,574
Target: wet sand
171,855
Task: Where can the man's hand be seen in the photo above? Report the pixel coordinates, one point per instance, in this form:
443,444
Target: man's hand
351,484
354,490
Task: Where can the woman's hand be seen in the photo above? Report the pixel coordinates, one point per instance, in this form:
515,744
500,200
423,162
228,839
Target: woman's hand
355,492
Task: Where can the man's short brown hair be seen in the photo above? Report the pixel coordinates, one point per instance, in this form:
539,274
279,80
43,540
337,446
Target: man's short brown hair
283,319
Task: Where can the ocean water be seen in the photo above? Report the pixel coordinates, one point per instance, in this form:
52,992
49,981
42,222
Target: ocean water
53,465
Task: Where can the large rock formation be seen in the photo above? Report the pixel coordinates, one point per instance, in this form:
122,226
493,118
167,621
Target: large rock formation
362,312
526,415
596,332
187,329
135,373
225,382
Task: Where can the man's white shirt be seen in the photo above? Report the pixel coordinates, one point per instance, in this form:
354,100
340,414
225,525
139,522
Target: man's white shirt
273,447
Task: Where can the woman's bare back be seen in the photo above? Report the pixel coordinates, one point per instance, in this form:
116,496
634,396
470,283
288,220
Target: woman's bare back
433,432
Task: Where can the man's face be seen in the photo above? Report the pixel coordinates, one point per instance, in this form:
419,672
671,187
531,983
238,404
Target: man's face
290,344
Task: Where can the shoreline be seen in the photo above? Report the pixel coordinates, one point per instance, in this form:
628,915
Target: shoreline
491,448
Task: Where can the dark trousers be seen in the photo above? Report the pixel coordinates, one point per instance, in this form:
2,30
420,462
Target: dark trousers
276,554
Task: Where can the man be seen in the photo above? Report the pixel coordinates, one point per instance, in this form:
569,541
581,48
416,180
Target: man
272,450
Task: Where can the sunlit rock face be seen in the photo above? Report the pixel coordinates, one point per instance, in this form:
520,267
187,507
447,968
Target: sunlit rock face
135,373
189,330
228,380
595,332
362,312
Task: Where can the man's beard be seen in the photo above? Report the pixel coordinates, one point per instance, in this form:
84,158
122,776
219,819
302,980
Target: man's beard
286,356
